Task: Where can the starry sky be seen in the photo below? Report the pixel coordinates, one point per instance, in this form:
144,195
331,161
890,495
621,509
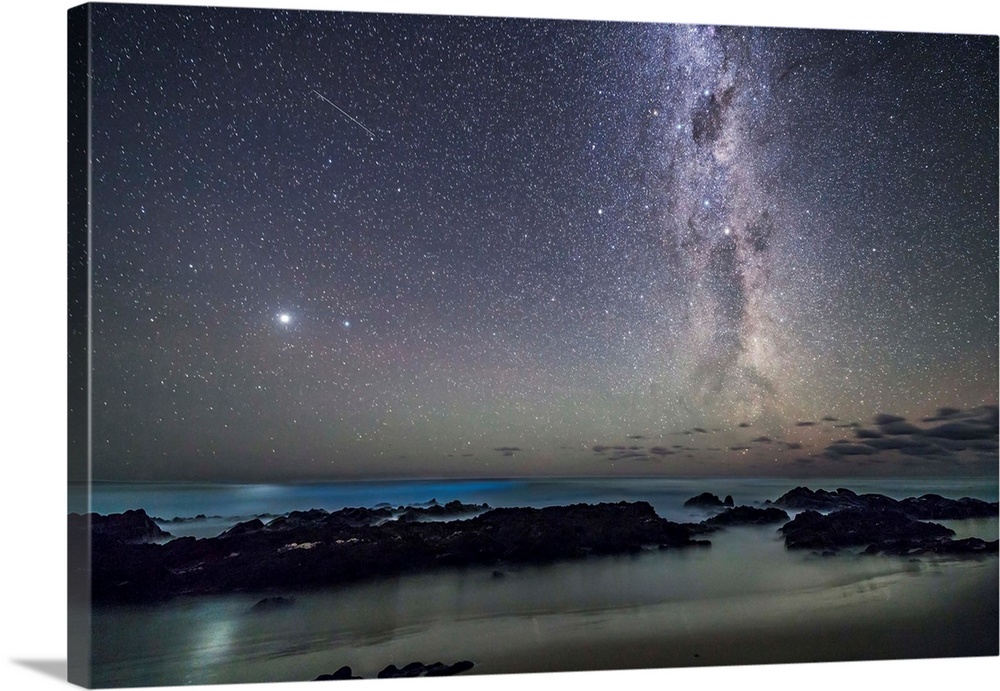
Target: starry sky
340,245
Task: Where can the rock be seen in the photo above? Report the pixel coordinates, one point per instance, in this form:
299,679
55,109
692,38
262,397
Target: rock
929,506
437,511
447,671
133,526
876,529
317,549
705,500
344,672
728,501
803,498
416,669
935,507
747,515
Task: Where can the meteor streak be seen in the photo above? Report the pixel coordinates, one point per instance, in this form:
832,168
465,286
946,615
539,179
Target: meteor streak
345,113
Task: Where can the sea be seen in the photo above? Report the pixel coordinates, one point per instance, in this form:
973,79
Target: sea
744,600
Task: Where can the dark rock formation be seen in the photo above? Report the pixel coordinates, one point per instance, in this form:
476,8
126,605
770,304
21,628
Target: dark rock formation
887,530
747,515
803,498
927,507
438,511
318,548
705,500
728,501
344,672
937,508
417,669
133,526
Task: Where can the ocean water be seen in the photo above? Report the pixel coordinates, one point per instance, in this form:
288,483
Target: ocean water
745,600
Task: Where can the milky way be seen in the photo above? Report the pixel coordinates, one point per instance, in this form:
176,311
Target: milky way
330,244
720,214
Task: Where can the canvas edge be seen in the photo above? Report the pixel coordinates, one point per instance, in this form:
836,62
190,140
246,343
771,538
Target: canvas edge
78,141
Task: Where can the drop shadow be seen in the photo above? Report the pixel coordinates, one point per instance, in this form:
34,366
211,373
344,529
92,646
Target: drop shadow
56,669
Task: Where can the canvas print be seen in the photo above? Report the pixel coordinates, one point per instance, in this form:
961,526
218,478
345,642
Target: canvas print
412,346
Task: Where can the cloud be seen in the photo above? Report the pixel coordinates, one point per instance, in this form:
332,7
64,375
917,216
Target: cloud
762,440
845,448
970,444
744,424
624,455
961,431
828,418
660,451
900,427
973,430
898,442
804,423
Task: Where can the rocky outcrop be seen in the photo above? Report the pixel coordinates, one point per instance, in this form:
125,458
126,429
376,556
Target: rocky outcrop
416,669
133,526
937,508
344,672
926,507
435,511
706,500
804,499
317,548
879,530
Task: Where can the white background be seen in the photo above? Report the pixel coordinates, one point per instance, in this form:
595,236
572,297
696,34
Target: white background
32,166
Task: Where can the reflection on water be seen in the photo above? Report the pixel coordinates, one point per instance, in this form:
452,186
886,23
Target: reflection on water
746,599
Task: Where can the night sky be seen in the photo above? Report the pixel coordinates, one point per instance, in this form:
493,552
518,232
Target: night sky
333,245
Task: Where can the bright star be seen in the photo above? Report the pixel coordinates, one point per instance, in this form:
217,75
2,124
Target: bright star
284,318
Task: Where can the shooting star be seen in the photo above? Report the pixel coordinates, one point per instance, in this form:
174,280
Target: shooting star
345,113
